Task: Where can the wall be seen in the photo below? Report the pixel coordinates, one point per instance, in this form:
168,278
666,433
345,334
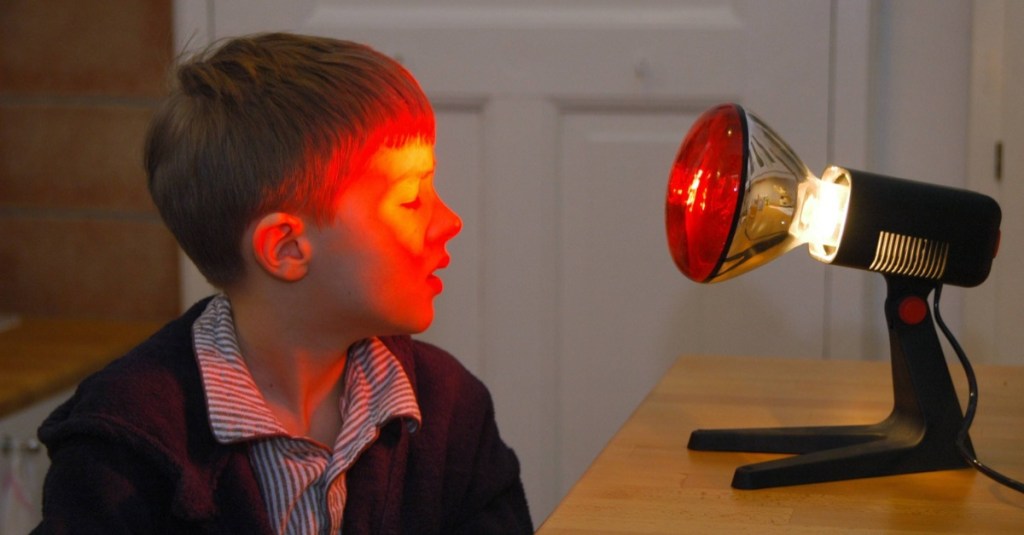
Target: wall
78,82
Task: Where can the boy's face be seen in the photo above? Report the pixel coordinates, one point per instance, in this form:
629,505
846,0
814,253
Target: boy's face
377,258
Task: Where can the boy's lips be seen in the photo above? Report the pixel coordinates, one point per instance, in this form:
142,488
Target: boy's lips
432,279
435,283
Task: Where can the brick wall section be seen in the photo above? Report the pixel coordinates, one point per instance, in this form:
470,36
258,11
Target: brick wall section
78,82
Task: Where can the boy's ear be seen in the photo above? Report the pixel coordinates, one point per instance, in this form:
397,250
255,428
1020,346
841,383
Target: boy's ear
281,246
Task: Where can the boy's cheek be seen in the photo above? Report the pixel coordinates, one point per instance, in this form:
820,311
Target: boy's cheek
407,228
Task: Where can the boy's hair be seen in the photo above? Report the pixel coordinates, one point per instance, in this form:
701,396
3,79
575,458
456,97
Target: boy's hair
271,122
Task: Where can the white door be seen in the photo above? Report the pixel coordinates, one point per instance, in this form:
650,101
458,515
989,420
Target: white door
558,122
994,310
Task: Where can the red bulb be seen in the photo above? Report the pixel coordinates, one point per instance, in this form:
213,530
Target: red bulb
703,192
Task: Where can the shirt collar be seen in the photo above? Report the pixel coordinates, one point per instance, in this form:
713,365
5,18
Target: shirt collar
377,388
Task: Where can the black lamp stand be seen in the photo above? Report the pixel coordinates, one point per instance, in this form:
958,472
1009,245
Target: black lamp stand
918,436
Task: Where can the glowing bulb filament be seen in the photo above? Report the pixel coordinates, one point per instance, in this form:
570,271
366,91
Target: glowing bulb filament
821,216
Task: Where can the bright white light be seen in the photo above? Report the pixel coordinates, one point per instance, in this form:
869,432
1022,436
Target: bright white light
825,221
821,214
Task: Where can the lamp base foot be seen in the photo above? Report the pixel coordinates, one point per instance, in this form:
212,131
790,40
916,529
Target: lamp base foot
894,446
921,433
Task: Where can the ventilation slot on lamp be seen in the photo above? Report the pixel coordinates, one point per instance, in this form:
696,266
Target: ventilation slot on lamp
910,256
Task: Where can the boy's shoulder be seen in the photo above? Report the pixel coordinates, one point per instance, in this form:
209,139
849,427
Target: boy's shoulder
439,379
133,394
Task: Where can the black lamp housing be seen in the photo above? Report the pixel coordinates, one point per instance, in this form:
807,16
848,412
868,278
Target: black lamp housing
919,230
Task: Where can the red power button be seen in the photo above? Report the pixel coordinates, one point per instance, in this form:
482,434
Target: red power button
913,310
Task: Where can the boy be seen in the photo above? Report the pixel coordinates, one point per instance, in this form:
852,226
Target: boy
297,173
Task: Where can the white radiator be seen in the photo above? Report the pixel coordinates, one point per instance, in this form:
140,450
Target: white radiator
23,465
20,484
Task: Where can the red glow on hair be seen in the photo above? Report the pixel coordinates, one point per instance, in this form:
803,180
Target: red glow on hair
325,174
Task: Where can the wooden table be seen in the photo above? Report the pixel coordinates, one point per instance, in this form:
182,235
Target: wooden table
40,357
647,481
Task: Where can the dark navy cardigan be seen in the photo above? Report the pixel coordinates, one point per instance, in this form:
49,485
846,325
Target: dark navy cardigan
132,452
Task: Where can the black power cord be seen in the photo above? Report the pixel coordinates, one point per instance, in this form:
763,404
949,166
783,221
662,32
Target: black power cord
972,405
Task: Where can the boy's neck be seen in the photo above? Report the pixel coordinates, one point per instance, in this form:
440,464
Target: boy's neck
296,368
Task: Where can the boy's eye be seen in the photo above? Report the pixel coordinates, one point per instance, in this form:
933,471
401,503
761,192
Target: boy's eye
407,193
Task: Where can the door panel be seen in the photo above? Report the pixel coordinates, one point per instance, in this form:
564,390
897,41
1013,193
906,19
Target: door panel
459,165
993,311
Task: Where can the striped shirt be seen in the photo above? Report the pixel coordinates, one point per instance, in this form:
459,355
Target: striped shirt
303,483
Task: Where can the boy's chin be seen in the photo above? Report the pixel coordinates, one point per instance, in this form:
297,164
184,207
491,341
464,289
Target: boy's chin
423,326
415,325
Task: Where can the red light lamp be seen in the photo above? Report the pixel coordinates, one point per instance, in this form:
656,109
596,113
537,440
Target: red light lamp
738,197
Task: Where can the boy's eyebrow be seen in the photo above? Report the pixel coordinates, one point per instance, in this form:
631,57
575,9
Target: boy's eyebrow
413,174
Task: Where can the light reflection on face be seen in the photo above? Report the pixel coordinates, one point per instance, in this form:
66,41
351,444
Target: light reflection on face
378,256
409,171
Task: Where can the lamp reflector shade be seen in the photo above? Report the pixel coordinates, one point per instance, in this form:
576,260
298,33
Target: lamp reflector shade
732,196
704,191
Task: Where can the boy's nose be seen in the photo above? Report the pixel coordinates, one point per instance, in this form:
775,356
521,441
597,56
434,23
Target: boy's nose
446,223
